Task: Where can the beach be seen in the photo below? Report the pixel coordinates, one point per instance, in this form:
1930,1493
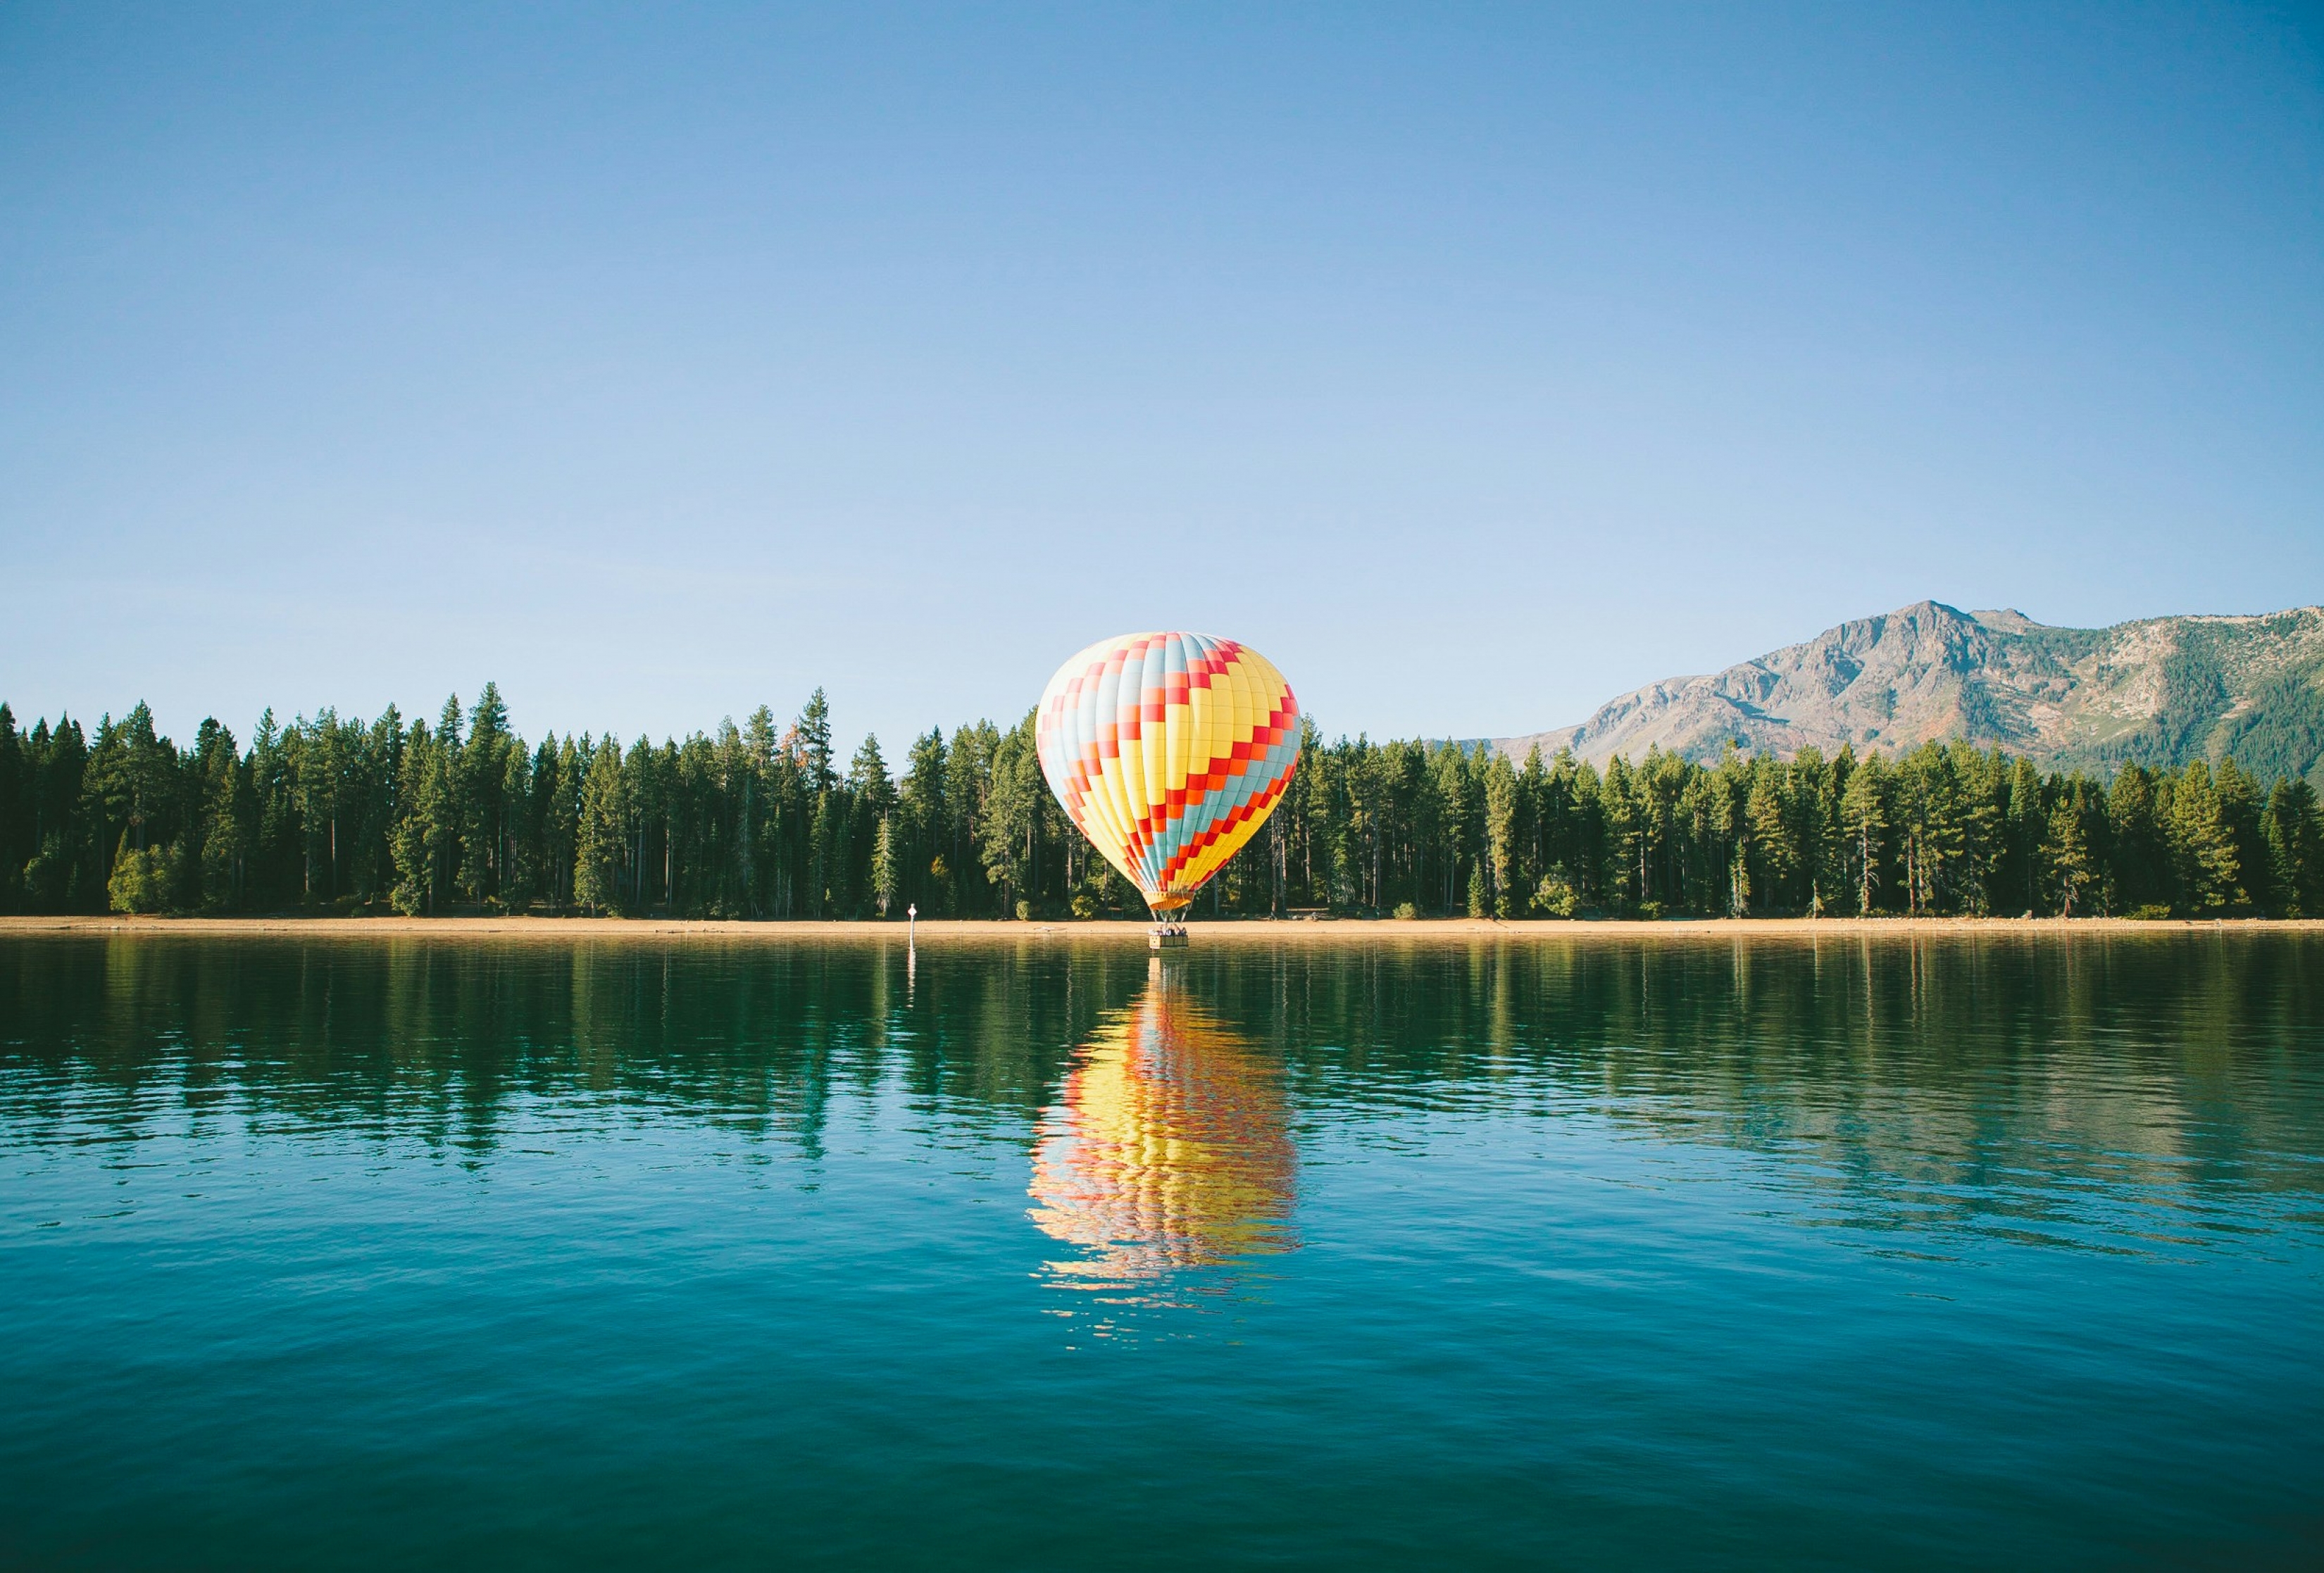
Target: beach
1224,931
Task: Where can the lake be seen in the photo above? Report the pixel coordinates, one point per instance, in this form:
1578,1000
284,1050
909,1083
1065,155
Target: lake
1037,1252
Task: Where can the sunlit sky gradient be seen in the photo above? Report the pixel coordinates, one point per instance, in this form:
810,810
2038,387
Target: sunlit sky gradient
1474,363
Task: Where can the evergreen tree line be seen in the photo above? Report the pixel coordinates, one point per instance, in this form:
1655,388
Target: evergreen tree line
759,821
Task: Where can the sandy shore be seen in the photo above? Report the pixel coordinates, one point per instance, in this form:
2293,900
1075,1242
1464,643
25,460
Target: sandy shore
1270,931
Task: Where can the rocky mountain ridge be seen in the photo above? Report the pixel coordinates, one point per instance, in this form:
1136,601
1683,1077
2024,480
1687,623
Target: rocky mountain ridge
2159,691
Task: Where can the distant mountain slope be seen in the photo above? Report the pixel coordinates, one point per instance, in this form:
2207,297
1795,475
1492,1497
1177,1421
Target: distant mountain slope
2160,691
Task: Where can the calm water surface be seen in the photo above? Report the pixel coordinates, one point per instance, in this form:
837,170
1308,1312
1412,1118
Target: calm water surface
1037,1252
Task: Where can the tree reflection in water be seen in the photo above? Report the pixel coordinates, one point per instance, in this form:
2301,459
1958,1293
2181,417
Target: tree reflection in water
1943,1085
1169,1146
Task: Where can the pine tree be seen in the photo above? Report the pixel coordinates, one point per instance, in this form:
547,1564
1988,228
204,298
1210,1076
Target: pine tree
64,872
2027,825
560,815
412,841
1817,787
813,730
224,785
925,821
18,843
884,865
131,779
2241,808
1007,831
2066,850
641,804
602,832
2202,844
968,782
383,774
1771,840
2141,865
1626,837
1864,817
1503,799
825,838
485,785
2295,844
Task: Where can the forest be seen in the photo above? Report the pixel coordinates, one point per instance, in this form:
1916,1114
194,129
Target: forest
762,820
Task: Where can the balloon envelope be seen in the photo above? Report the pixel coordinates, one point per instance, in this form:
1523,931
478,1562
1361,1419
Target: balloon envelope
1169,751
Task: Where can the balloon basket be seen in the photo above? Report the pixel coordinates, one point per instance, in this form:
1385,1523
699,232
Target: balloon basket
1167,936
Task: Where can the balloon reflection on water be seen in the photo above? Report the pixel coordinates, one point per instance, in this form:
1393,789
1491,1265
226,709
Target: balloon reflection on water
1170,1147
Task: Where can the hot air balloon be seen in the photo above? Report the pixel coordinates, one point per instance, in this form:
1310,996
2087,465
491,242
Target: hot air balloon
1169,751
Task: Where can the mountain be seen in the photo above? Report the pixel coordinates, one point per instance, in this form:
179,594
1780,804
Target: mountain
2163,690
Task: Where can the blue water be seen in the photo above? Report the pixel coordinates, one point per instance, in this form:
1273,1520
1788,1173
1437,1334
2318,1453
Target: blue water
1036,1253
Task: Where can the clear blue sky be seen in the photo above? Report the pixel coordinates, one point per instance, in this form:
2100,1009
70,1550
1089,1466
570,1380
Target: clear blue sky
1473,362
